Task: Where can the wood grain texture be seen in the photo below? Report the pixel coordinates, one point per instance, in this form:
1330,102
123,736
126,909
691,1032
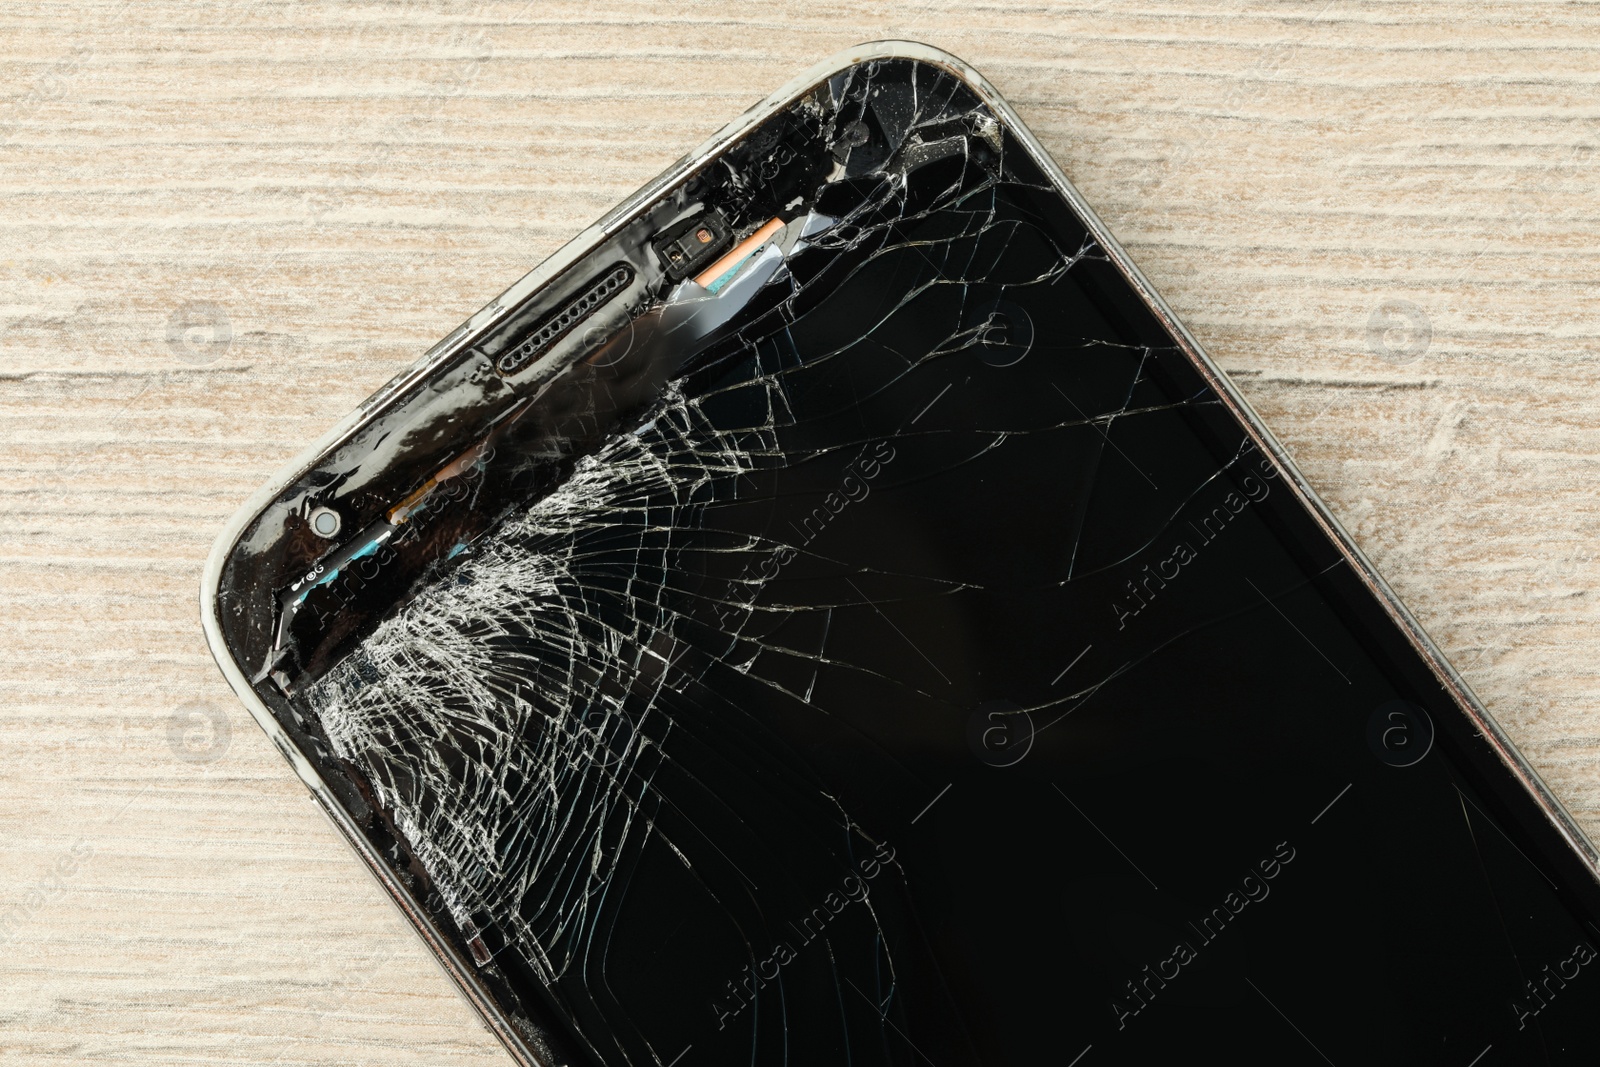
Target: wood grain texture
342,184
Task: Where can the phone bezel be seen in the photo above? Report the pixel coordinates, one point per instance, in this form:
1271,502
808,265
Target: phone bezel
455,966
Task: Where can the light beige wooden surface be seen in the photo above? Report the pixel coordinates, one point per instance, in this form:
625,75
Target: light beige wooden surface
343,184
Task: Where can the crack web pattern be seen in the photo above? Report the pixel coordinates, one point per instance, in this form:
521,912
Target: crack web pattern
545,718
694,752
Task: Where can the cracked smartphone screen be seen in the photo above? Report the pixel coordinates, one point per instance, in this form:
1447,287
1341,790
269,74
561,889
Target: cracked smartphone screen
835,621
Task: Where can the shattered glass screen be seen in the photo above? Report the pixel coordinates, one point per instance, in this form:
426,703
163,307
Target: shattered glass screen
834,623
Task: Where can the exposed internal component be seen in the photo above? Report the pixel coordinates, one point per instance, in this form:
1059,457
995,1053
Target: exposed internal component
687,246
722,271
363,550
564,319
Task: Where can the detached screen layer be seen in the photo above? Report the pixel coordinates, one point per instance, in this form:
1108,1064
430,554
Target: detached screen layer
890,650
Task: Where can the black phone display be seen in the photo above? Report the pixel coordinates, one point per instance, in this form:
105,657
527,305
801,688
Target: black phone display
838,617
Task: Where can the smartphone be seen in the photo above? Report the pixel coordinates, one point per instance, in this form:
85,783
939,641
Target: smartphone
833,613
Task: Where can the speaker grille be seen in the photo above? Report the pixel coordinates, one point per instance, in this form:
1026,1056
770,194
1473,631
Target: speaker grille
560,322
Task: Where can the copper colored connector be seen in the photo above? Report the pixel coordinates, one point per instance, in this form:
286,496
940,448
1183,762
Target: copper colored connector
738,253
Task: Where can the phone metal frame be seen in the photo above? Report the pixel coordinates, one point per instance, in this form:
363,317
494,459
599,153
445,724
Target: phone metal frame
456,966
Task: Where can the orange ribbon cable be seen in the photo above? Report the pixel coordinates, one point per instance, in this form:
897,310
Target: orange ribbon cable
737,255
